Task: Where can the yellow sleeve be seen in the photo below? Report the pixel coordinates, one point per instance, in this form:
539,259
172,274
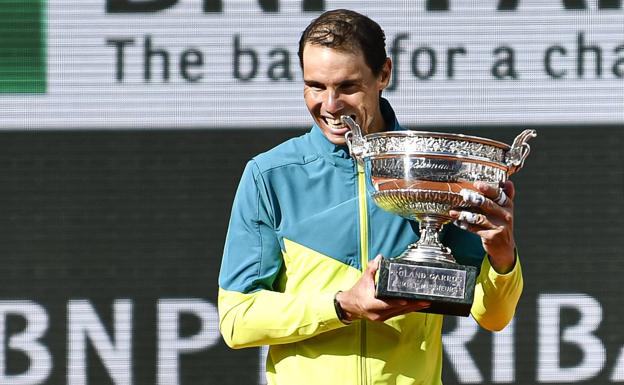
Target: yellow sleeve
267,318
496,296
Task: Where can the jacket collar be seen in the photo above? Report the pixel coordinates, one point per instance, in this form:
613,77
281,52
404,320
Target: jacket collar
342,151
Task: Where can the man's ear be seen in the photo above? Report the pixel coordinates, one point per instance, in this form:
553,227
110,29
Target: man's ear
385,73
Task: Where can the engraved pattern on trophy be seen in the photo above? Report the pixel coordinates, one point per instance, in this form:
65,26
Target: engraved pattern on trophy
411,203
415,142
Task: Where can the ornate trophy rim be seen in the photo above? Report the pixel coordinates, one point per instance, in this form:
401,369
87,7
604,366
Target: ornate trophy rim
441,135
436,145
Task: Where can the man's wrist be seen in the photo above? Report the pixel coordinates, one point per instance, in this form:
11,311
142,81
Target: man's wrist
503,267
342,316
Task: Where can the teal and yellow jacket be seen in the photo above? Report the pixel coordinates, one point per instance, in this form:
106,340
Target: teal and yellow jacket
302,228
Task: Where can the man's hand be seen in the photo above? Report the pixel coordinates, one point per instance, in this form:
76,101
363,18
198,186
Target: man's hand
493,222
359,302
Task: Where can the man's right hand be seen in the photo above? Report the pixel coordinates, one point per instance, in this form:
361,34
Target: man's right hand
359,302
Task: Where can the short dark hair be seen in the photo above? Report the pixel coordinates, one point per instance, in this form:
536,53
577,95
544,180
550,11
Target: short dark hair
350,31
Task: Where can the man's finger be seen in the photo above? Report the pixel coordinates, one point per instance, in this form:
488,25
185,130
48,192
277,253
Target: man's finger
472,218
509,189
471,197
502,198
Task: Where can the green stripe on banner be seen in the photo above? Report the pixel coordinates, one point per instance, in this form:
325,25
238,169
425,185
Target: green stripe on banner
22,46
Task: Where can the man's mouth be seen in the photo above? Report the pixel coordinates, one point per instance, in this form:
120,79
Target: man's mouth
336,124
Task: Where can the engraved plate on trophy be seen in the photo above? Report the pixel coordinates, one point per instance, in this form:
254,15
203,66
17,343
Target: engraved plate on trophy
428,280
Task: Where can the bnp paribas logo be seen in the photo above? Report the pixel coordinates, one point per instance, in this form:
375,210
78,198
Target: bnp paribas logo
22,46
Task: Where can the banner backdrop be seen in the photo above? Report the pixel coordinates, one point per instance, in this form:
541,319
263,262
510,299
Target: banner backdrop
228,63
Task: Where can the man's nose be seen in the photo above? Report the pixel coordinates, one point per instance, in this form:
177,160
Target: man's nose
333,103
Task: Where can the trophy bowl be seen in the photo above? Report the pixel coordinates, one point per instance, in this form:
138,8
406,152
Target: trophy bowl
419,175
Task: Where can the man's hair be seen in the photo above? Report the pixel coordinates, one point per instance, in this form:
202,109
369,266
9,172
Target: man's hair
349,31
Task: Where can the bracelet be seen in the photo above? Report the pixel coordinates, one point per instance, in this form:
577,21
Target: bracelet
339,312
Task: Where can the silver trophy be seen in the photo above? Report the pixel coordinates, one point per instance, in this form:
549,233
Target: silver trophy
419,175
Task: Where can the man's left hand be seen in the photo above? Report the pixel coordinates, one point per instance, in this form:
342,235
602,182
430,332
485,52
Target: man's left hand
492,221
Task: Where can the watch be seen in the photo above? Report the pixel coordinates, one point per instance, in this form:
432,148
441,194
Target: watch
339,312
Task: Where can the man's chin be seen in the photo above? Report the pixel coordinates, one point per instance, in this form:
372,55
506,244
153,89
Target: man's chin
338,140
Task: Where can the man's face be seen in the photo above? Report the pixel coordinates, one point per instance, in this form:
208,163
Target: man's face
340,83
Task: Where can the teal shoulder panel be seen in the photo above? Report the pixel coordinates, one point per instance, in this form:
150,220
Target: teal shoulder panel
303,190
251,254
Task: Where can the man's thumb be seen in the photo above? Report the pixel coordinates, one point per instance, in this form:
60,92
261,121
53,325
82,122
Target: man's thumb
373,265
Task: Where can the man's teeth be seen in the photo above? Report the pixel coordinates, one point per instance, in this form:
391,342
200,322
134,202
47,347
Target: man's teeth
336,123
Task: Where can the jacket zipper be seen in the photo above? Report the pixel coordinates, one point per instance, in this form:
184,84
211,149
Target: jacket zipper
363,211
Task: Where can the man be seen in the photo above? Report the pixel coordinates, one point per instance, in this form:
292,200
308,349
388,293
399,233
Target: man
304,241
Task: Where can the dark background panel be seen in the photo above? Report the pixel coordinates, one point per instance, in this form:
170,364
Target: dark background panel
109,215
142,215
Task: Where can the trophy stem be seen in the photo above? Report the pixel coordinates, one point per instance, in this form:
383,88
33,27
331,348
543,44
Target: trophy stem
429,248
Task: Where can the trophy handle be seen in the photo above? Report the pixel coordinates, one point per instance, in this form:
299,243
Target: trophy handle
519,151
354,138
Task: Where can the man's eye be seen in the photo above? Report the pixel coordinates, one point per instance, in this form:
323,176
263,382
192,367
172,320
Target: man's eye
348,88
315,87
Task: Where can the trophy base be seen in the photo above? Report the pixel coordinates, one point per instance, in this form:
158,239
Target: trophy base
448,286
